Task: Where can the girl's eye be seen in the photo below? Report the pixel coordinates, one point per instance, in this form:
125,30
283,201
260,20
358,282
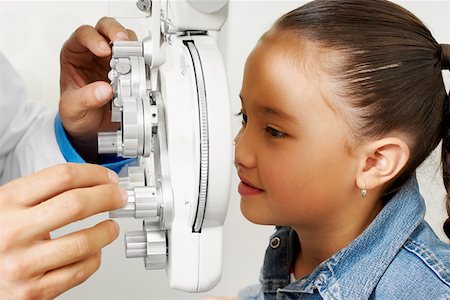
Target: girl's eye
273,133
244,117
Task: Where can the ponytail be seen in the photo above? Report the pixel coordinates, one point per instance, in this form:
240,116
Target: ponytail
445,57
445,156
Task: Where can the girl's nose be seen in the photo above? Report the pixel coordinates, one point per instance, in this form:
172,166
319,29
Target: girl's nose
244,156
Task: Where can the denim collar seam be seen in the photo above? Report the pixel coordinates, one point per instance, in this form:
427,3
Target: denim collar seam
421,251
322,290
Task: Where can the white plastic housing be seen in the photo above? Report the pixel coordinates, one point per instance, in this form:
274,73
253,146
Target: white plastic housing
200,253
195,15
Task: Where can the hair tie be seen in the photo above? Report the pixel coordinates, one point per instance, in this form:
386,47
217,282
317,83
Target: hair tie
445,56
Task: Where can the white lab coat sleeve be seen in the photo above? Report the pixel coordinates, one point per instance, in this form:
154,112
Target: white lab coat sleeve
27,136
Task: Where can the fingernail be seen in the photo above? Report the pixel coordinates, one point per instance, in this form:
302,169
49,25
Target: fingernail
122,36
103,46
103,93
115,225
113,176
124,195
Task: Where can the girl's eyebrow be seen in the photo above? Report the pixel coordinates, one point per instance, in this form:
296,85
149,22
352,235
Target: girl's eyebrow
274,111
268,110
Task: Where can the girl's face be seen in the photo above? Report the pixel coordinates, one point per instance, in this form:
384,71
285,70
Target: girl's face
291,152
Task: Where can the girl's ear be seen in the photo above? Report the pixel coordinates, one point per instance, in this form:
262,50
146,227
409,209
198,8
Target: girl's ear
381,161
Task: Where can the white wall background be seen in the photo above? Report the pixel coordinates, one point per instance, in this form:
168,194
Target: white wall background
31,35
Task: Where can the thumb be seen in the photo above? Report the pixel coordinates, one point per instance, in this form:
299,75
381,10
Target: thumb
76,102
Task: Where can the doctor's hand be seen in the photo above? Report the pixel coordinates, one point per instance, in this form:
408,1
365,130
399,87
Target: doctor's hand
34,266
85,89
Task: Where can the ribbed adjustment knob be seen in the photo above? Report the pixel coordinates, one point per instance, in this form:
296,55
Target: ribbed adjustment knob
143,203
156,246
135,178
130,127
136,175
147,203
128,210
157,258
150,244
129,83
135,244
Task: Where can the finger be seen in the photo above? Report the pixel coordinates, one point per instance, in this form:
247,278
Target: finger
132,35
70,207
91,96
45,184
87,38
56,282
111,29
68,249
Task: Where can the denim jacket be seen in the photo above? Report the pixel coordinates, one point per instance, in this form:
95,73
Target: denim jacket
398,256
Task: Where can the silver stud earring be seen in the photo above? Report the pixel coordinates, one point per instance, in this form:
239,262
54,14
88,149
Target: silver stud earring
234,143
364,191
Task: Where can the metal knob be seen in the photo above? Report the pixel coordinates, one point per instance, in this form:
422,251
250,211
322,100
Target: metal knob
108,142
135,178
127,48
135,244
128,210
143,203
156,246
150,244
144,5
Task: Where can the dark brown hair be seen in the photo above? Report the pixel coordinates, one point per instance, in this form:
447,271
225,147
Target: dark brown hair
391,71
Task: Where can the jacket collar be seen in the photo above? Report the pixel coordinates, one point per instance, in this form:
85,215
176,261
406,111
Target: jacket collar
353,272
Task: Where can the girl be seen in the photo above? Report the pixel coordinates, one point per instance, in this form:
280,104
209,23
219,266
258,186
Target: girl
341,102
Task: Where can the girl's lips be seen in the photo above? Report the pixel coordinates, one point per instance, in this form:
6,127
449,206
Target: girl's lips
248,190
